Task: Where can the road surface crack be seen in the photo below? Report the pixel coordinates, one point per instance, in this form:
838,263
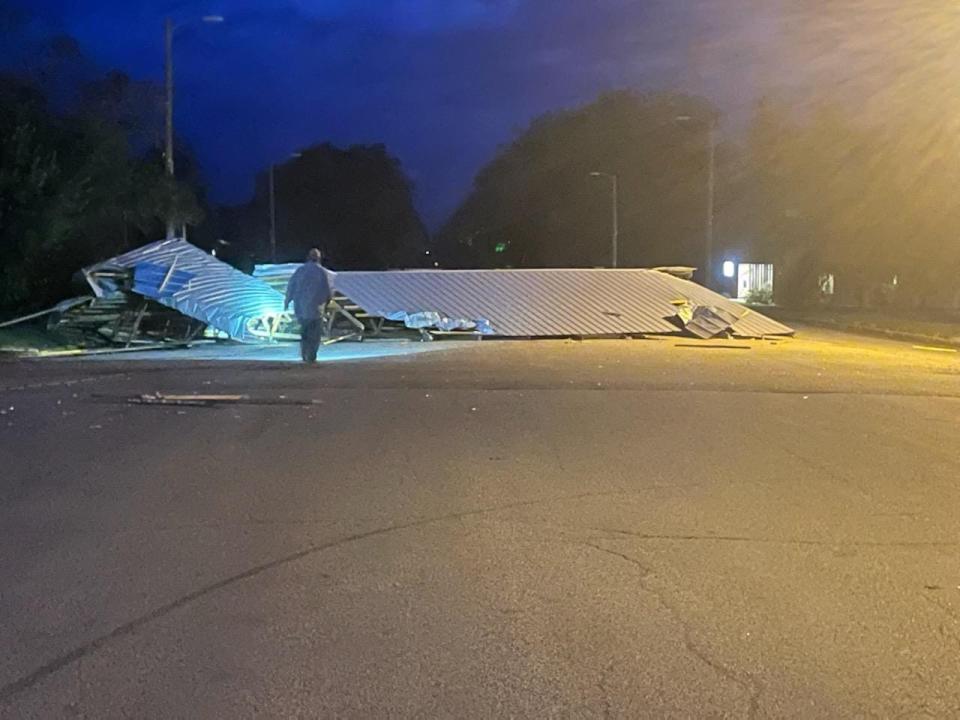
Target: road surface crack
56,664
748,686
692,537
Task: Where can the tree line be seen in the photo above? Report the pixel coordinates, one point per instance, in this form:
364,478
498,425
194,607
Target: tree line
356,204
80,178
539,204
820,192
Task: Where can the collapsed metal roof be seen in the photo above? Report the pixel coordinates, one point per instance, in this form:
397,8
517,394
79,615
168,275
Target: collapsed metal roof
504,303
543,303
185,278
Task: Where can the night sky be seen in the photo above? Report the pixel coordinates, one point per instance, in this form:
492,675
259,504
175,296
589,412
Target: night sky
442,83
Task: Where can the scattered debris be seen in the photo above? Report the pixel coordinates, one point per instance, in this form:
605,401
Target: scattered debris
81,352
684,311
712,346
201,400
679,271
709,322
930,348
58,308
427,320
210,400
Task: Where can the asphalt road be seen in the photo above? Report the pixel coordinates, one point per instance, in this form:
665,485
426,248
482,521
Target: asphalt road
555,529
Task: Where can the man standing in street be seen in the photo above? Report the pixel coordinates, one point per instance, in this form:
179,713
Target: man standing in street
309,291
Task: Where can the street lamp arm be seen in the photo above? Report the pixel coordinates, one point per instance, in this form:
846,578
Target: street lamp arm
206,19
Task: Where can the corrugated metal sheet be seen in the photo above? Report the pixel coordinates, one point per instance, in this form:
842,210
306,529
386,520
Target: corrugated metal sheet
509,303
278,275
709,322
750,324
539,303
181,276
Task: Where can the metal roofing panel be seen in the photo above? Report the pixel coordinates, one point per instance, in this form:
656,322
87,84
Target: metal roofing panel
509,303
538,303
184,277
276,275
522,302
750,324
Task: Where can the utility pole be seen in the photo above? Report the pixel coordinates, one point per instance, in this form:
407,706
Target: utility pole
273,215
168,149
711,193
615,215
169,28
615,220
711,199
272,184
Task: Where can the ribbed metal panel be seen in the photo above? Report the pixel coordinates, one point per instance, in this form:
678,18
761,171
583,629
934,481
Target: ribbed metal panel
199,286
750,324
509,303
539,303
276,276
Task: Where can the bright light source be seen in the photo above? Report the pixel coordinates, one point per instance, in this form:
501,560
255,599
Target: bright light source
728,268
213,18
427,252
500,247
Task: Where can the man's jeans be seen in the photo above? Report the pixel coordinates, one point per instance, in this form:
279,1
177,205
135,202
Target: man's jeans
310,339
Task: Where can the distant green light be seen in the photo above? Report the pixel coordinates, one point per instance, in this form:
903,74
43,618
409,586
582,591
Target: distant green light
501,247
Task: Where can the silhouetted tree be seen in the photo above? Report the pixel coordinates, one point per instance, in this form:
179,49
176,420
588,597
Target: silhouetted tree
133,106
536,204
71,192
355,204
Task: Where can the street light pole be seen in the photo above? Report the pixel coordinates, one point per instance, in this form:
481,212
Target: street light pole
168,148
615,215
